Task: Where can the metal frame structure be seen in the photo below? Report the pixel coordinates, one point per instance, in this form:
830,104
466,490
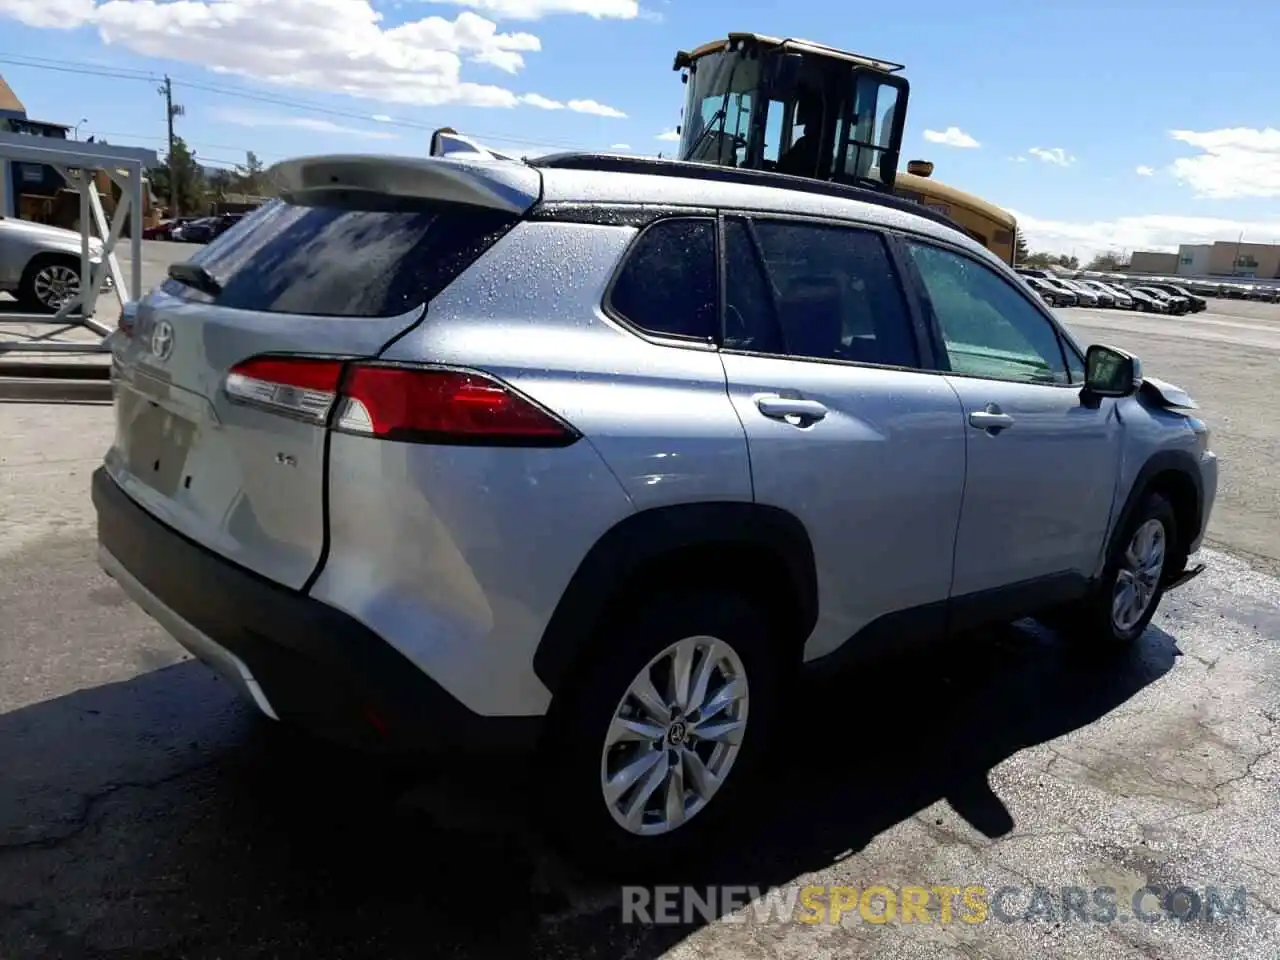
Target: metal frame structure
77,163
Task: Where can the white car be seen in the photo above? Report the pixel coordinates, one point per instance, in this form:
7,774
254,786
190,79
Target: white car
40,264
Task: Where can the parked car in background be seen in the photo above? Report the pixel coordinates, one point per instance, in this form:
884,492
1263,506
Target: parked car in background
1101,297
1145,302
1052,295
208,228
40,265
199,230
1176,304
1119,298
164,230
1086,297
1197,303
1056,283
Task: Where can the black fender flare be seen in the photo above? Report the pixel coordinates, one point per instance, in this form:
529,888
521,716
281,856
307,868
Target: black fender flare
642,538
1164,461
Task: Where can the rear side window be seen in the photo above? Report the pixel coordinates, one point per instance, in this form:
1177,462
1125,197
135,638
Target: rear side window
667,285
340,258
832,294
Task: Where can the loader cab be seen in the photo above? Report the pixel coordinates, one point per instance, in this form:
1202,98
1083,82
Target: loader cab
795,107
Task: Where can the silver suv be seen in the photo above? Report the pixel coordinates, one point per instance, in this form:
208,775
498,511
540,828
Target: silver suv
588,455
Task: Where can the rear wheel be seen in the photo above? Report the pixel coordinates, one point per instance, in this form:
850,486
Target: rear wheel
48,282
1119,608
662,733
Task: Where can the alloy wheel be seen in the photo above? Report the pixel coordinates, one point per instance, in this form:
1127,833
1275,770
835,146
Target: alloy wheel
674,736
1138,577
55,283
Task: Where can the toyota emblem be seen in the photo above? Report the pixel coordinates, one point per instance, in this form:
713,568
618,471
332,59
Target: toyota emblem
162,339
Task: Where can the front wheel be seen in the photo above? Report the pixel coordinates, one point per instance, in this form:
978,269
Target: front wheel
1118,609
48,283
661,733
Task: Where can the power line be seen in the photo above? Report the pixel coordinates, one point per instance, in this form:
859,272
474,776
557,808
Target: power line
74,67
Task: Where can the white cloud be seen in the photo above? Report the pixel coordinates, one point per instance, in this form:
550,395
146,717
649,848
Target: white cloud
541,102
669,135
594,108
382,118
1151,232
1143,170
1234,162
247,118
1054,155
951,137
577,106
537,9
334,46
619,146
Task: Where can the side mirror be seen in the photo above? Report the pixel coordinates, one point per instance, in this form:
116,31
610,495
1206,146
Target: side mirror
1109,372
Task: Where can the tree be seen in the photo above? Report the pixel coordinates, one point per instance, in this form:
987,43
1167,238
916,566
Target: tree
191,182
1020,249
1110,262
1071,263
249,178
1039,260
220,183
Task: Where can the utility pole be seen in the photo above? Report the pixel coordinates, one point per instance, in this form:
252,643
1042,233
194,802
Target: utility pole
172,110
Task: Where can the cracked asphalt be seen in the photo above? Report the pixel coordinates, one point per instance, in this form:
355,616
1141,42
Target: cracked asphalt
146,812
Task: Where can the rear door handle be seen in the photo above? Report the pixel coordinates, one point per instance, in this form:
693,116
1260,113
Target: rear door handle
779,408
992,419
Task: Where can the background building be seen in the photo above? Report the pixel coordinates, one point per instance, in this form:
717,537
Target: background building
1193,259
1225,258
1153,261
1245,260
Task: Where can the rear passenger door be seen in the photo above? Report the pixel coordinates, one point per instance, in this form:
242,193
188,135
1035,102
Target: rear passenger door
822,359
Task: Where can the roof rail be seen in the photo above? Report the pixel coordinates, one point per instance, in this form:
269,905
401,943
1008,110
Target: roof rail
653,166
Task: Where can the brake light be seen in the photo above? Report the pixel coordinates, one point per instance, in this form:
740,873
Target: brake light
413,404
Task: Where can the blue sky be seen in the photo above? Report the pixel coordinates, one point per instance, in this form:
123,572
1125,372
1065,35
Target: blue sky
1128,124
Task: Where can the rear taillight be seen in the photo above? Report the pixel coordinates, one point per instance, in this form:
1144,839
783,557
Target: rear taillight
412,404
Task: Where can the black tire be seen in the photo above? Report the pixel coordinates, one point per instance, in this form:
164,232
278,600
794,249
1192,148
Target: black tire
1089,623
575,808
27,285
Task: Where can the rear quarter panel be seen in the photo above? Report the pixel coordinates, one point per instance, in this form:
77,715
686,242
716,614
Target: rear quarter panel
458,556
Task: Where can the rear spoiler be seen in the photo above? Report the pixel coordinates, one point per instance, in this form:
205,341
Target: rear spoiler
476,178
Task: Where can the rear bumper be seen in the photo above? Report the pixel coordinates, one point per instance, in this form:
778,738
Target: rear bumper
297,659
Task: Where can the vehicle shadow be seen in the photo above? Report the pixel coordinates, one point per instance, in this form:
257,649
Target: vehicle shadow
158,817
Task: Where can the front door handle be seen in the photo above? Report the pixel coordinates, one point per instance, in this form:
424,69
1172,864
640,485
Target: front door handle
779,408
992,419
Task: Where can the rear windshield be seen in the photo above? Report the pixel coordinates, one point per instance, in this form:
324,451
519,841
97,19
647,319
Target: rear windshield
341,258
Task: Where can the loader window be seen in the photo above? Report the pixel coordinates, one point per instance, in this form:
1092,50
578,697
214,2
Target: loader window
717,115
866,134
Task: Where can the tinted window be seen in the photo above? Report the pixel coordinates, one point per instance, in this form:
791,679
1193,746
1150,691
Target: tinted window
668,284
342,259
988,327
826,292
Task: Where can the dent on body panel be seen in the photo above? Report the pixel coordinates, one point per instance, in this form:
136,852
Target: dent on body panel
530,312
463,572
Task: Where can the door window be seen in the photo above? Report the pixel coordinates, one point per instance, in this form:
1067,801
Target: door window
813,290
988,327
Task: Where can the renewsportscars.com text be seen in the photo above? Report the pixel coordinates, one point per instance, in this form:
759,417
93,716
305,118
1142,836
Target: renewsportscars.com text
937,903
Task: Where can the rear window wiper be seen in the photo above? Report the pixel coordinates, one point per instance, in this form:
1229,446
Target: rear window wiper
195,276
